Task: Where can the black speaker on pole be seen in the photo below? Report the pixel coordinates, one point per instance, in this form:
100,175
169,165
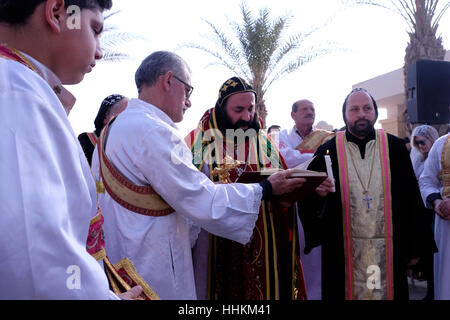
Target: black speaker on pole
428,84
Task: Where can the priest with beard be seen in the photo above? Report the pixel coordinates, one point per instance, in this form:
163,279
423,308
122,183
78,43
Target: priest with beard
268,267
372,228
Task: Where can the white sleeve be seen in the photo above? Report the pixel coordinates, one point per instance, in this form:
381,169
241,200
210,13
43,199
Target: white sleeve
229,211
113,296
291,156
429,179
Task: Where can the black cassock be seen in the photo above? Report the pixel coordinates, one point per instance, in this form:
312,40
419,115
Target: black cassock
322,219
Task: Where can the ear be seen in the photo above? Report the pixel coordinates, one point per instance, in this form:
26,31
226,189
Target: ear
167,79
292,115
54,13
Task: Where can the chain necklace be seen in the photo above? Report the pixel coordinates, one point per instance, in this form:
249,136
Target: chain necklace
366,196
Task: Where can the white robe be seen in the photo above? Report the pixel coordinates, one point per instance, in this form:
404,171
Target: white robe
288,141
312,262
146,147
429,183
47,194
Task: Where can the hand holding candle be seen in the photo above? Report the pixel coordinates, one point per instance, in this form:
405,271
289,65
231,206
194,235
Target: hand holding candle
329,170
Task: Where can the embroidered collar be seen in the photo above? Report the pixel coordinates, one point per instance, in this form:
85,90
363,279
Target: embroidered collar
361,143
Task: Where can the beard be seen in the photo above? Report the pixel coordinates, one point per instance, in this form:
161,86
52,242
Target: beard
361,128
224,122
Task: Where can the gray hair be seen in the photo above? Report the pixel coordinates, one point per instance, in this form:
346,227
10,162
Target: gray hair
156,64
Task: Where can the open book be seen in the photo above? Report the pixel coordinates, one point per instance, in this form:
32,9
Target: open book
313,180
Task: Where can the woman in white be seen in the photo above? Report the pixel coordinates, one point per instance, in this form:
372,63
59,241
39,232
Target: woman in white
422,139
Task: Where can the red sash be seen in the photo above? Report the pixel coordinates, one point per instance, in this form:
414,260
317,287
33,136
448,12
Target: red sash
140,199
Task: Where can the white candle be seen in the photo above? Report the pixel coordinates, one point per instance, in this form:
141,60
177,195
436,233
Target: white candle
330,171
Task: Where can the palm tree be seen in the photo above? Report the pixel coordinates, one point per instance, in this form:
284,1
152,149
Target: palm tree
422,18
259,51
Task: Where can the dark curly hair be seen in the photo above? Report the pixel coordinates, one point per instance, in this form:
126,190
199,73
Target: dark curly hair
17,12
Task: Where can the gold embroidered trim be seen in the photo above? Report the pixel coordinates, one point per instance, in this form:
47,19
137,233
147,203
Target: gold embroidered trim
115,277
128,266
100,187
96,218
100,255
445,173
140,199
314,140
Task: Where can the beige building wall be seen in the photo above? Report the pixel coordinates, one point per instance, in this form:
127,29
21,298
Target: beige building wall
324,126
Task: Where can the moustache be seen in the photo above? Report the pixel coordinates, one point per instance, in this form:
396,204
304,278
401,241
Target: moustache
361,121
241,123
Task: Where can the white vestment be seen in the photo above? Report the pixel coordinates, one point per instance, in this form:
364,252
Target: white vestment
312,262
47,193
429,183
145,146
288,141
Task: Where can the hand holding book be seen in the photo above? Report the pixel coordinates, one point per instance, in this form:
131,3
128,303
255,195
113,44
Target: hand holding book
284,182
292,192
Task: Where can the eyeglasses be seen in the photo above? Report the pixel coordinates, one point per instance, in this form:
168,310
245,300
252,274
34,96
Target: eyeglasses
189,88
420,142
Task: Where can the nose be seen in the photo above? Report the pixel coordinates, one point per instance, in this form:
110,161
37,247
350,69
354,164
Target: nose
188,103
246,116
362,114
98,51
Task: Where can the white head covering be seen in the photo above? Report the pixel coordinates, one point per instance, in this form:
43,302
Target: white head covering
417,158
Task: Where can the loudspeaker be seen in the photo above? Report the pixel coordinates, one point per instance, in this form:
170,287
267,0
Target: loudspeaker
428,84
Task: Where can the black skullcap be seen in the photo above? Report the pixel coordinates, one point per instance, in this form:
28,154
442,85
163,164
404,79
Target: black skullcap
107,103
344,107
232,86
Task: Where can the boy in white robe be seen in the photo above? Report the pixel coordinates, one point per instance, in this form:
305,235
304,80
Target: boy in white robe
47,194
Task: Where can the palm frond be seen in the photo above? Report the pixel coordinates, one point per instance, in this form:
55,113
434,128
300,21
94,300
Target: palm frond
112,40
257,49
295,64
111,56
222,60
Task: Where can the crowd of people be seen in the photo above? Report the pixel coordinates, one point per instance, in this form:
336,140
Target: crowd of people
136,210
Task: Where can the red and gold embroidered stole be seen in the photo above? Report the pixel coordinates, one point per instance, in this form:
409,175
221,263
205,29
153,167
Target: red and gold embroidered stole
445,173
314,140
357,259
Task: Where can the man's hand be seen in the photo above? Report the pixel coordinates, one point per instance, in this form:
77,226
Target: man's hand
281,183
325,187
442,208
132,294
